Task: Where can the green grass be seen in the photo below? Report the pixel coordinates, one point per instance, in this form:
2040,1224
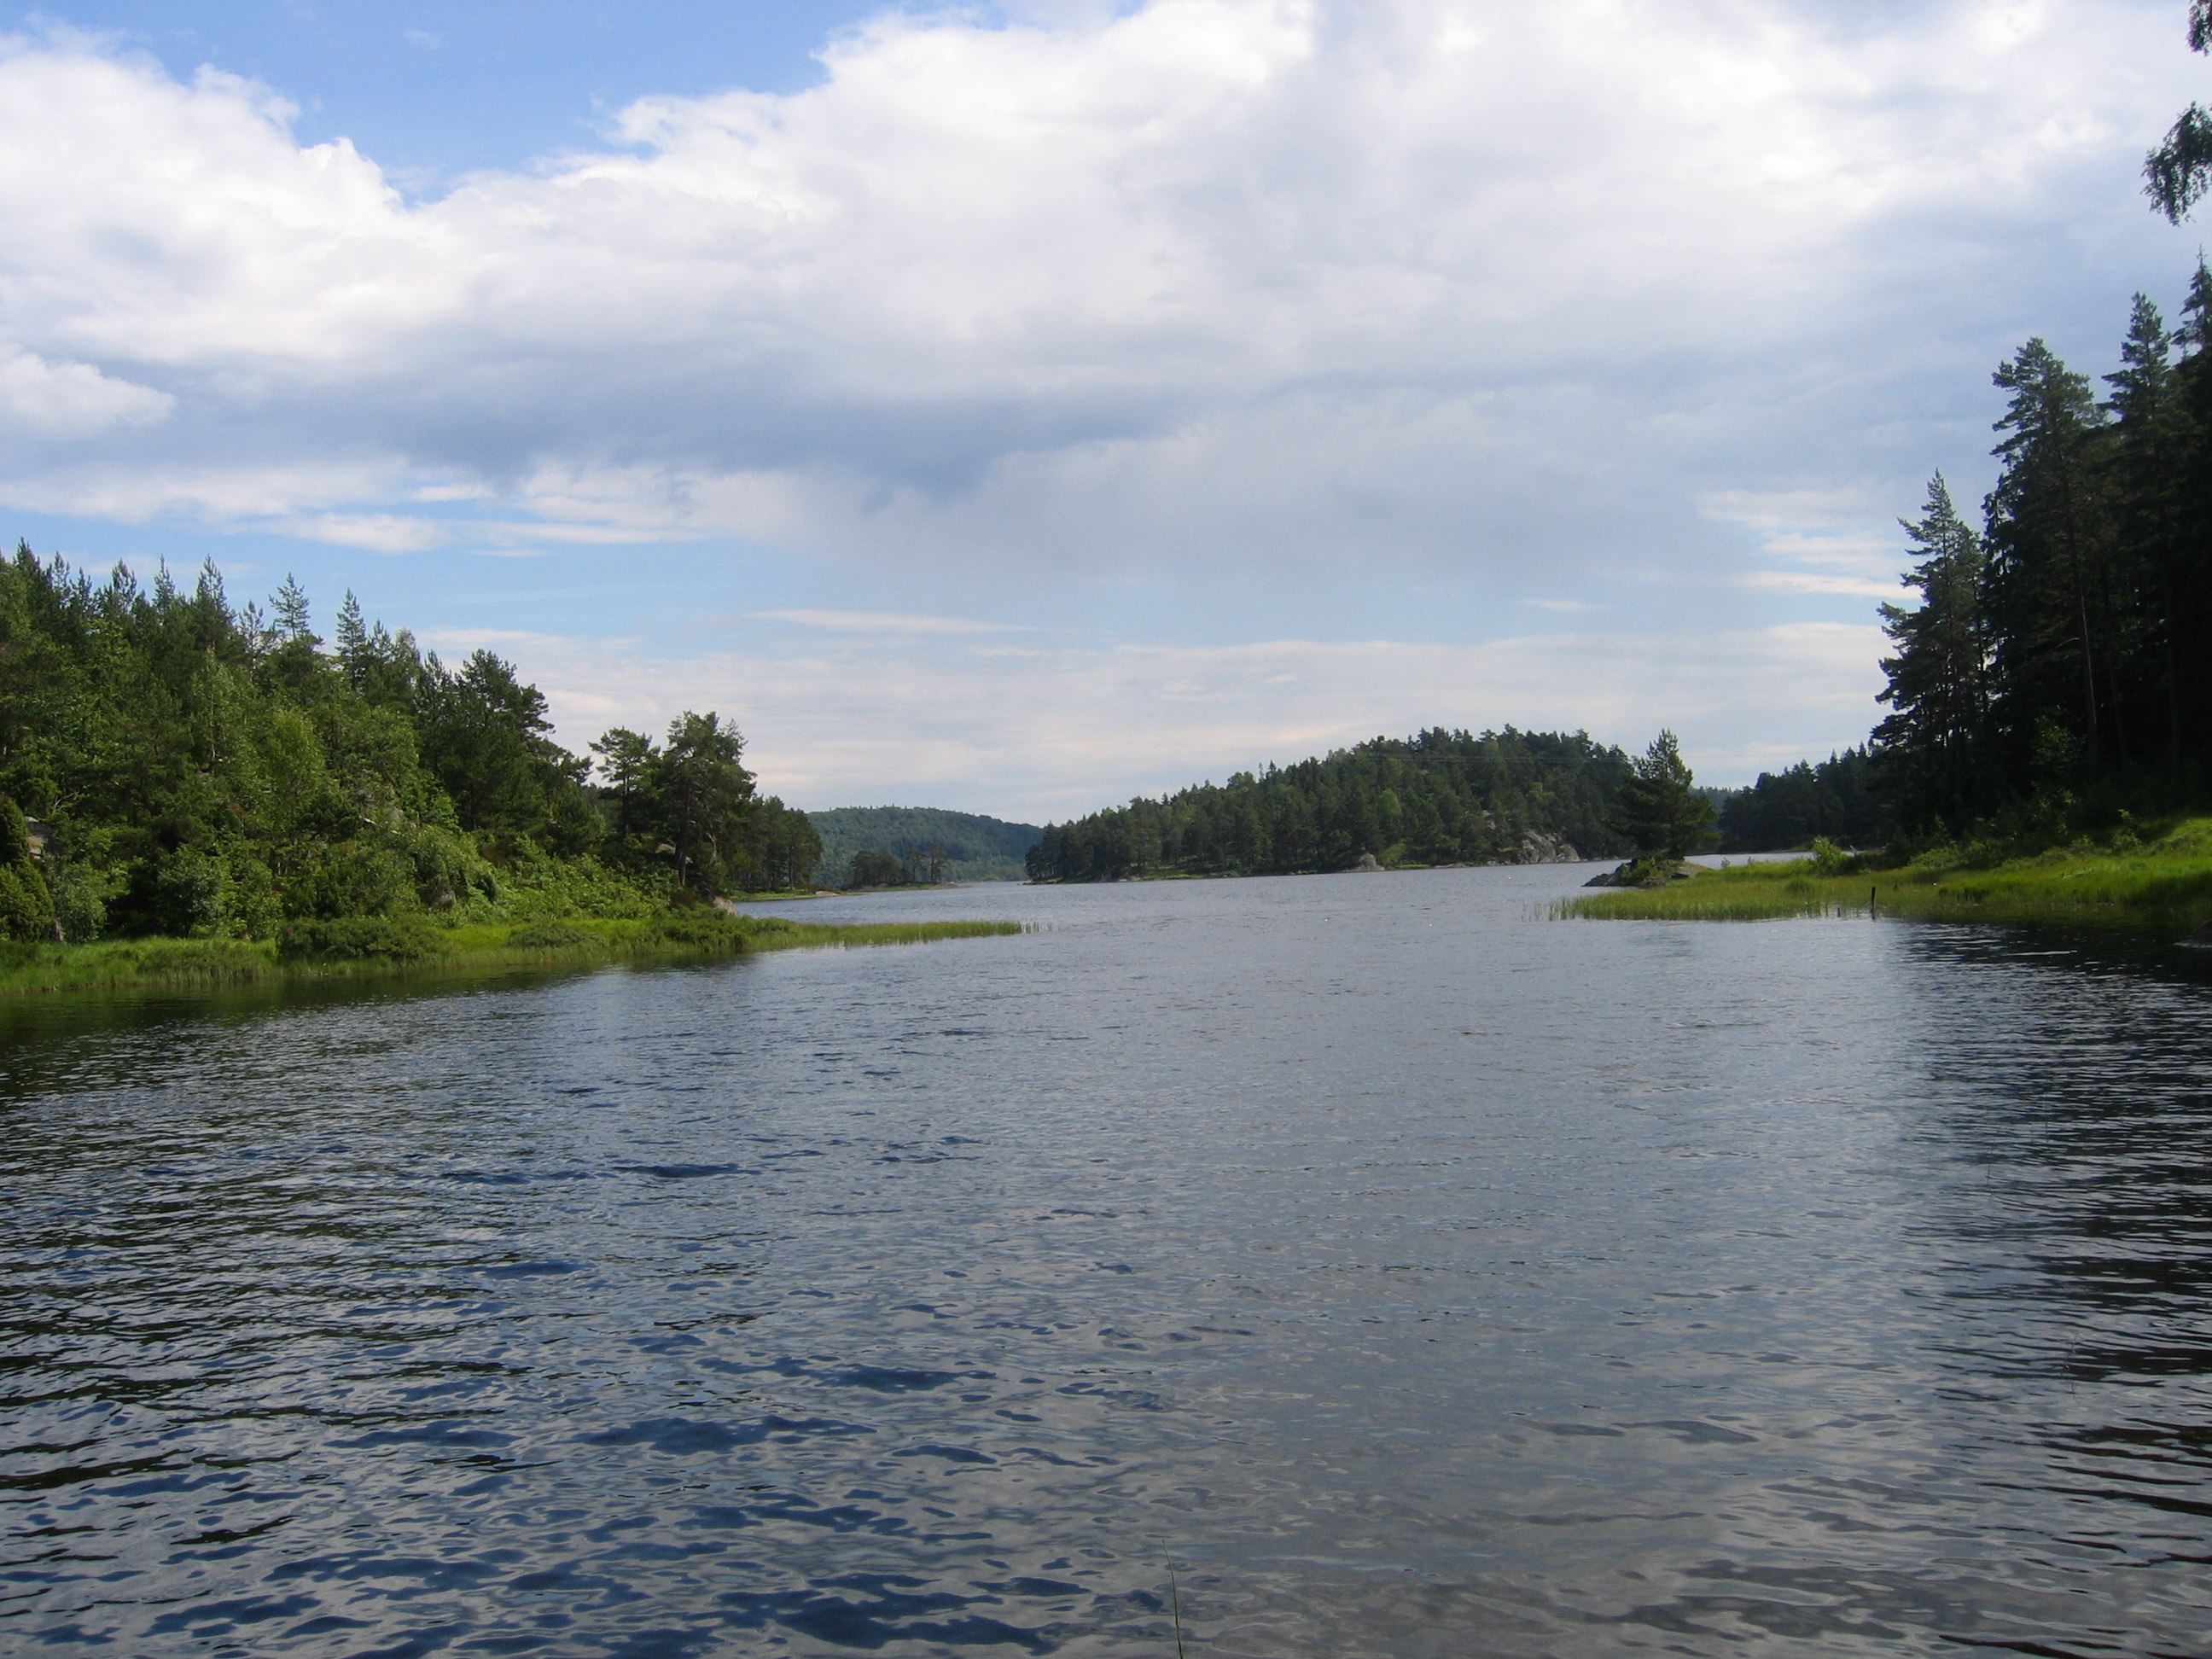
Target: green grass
2163,887
151,963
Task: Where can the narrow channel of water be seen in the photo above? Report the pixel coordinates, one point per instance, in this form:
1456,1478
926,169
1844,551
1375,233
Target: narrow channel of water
1422,1276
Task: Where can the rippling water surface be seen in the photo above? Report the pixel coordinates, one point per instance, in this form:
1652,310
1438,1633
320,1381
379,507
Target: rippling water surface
1420,1276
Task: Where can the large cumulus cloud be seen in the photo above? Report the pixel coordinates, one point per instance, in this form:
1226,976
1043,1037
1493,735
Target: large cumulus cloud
1244,280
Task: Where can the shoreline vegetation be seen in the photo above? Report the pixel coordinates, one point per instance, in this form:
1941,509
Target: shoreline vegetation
359,951
195,793
2156,886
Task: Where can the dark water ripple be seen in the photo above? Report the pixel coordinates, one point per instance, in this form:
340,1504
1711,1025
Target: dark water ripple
1424,1277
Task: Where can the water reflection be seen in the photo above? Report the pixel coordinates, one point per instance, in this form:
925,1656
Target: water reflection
1424,1277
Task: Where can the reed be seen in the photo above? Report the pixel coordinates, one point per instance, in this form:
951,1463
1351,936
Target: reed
2163,887
185,963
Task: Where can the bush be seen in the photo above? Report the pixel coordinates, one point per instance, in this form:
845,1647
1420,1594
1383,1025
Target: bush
699,927
80,902
394,939
27,911
180,896
353,880
549,936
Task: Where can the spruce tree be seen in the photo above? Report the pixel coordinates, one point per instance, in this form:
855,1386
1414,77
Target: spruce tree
2046,580
1938,680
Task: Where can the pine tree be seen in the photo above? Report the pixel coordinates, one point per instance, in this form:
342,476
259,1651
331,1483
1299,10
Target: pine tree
1661,809
1938,680
292,619
2146,473
2046,583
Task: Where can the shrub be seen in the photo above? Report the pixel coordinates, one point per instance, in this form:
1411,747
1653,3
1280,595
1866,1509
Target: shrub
180,894
549,936
699,927
394,939
26,908
80,902
353,880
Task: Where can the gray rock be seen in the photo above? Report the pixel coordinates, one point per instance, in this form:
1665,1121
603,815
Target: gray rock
1618,876
1537,848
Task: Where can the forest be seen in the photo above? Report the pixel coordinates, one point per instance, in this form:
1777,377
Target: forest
904,846
2053,681
2054,676
1441,796
188,768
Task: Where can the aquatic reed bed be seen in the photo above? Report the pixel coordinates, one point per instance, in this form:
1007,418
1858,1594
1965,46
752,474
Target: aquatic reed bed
2163,887
355,949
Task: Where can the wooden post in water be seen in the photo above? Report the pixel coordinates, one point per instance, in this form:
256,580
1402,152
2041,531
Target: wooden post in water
1873,909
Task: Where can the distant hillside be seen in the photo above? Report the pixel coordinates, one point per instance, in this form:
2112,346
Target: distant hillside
1441,796
976,849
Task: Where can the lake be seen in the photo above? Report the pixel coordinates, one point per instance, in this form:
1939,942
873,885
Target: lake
1417,1275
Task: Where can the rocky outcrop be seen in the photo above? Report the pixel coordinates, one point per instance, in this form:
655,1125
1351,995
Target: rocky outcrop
1367,861
1637,874
1538,846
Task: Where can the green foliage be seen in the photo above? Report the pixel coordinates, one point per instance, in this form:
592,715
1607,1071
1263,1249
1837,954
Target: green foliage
699,927
970,847
1938,680
210,775
80,902
2054,674
871,868
549,936
2179,172
2161,887
357,938
27,907
687,816
1835,798
1439,797
1659,808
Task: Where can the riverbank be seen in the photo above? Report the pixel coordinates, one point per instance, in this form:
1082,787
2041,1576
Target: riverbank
2160,888
343,951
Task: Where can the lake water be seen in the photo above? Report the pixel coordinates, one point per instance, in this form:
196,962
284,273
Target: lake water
1420,1276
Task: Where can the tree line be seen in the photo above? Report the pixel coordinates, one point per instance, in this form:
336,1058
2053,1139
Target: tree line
1441,797
198,768
2054,671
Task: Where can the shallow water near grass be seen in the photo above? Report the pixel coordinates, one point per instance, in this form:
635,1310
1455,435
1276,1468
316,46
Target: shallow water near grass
1421,1276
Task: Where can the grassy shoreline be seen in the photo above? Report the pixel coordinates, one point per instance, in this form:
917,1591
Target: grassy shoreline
186,963
2162,888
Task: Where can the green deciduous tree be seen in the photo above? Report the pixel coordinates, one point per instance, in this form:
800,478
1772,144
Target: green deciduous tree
2179,172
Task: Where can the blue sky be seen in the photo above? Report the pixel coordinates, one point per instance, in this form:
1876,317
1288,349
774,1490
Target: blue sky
1018,408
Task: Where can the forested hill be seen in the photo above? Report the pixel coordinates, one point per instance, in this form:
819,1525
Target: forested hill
202,769
1443,797
962,845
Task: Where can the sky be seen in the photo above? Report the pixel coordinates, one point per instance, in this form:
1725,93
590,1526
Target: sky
1017,408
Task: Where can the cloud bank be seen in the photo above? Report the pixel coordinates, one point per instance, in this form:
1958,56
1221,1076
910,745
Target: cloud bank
1556,304
1051,730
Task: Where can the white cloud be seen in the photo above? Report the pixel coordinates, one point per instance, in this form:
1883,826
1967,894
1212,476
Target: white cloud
1054,731
880,621
1596,306
1252,281
377,532
43,400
